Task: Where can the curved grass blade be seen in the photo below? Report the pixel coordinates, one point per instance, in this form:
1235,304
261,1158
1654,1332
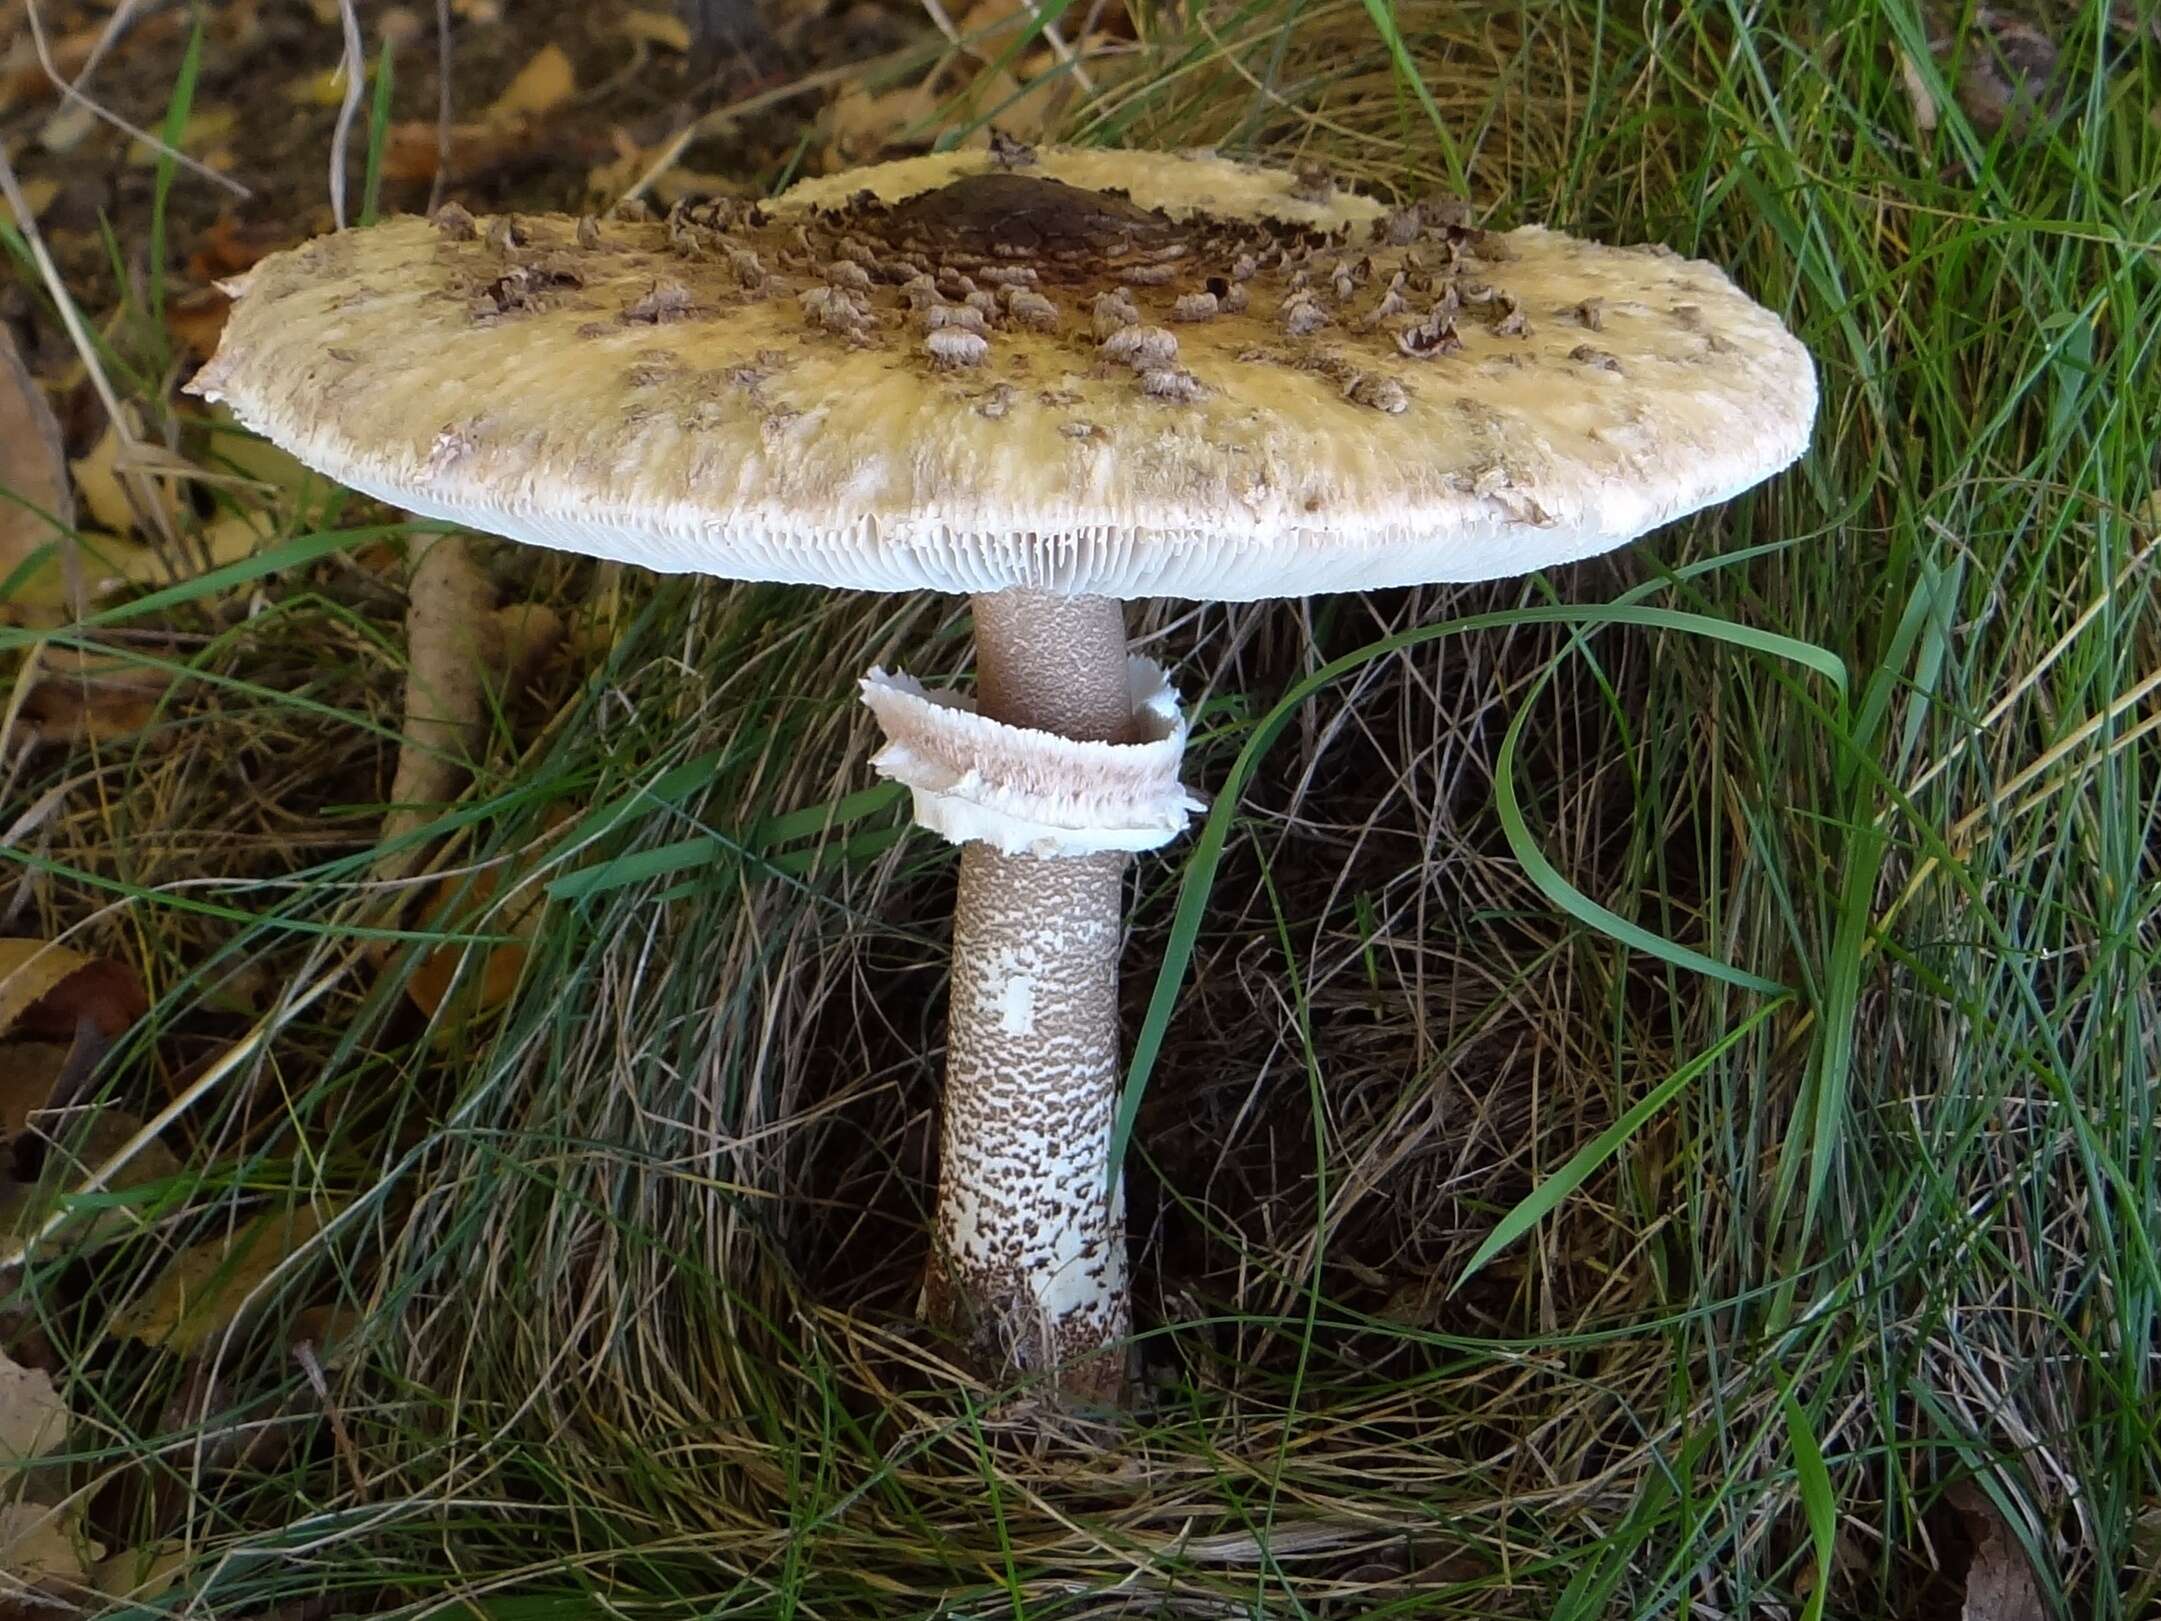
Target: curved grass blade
1541,1200
1199,879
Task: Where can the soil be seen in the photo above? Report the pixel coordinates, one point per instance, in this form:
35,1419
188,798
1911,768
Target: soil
265,113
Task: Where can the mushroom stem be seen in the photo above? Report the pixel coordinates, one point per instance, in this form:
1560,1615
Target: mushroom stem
1029,1264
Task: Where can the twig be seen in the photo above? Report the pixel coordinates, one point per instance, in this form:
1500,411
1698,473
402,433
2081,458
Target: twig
442,106
108,37
355,69
68,92
312,1366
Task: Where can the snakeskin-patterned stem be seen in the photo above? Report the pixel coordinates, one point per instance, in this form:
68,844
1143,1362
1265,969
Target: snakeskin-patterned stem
1030,1260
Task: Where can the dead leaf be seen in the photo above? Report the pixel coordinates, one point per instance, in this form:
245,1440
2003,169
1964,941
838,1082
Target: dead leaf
1917,93
38,191
23,77
1999,1582
33,468
2009,77
104,491
197,320
862,125
87,697
229,446
29,1070
229,247
46,989
206,131
463,904
206,1287
323,89
411,154
140,1574
25,1207
33,1418
662,28
545,82
38,1545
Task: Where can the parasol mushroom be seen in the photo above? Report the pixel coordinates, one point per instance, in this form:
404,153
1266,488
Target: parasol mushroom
1052,379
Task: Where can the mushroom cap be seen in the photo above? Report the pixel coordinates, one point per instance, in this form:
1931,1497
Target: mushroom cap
1116,373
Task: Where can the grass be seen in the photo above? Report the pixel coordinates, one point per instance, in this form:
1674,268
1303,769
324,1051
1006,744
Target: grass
1629,1123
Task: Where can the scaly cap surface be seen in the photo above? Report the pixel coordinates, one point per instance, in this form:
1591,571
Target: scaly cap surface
1123,373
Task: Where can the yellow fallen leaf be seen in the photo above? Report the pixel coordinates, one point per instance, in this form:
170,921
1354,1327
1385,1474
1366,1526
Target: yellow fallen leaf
324,89
38,192
206,1287
545,82
28,1072
33,1418
25,1208
140,1574
662,28
230,445
861,125
233,538
104,496
38,1545
30,970
206,127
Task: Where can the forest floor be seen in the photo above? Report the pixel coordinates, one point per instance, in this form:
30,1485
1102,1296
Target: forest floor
1648,1122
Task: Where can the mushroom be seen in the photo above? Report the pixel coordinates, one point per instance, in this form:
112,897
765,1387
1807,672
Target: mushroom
1340,432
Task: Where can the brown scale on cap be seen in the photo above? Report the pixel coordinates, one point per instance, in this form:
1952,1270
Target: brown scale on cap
1031,309
1141,347
1113,310
969,267
456,223
666,301
958,317
954,347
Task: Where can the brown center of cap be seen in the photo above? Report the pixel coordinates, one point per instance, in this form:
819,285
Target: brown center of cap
1066,231
1027,214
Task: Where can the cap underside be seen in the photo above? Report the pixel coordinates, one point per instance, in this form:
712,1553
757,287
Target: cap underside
1227,383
